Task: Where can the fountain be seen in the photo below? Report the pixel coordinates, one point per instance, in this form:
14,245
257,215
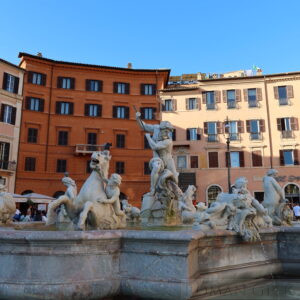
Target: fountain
195,249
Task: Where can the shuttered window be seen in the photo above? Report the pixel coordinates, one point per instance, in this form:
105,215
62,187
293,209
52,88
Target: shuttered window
30,163
32,135
148,89
213,160
93,85
120,167
35,104
10,83
64,108
147,170
36,78
148,113
236,159
66,83
63,138
194,162
193,134
61,165
120,140
257,158
121,88
8,114
121,112
146,143
92,110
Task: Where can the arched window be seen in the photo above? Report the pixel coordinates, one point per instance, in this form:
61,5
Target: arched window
27,192
58,194
212,193
292,193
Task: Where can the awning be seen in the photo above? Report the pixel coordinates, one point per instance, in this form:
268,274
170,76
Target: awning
34,197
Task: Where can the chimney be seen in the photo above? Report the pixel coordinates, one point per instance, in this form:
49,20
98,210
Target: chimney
129,65
39,54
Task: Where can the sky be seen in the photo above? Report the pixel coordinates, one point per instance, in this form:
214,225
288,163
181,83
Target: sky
185,36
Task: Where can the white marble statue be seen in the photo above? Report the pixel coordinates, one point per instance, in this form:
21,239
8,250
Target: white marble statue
7,206
97,204
132,212
238,211
188,210
274,200
161,205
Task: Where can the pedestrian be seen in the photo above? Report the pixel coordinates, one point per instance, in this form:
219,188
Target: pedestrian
296,210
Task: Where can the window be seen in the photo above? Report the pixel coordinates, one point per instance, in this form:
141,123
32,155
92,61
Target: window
252,101
92,110
210,100
286,126
8,114
146,143
10,83
288,157
64,108
147,170
181,162
36,78
254,129
88,168
194,161
66,83
173,135
63,138
283,94
121,112
236,159
120,140
4,155
35,104
192,103
92,140
212,131
257,159
213,160
193,134
120,167
61,166
212,193
233,130
30,163
121,88
231,101
147,113
148,89
32,135
93,85
168,105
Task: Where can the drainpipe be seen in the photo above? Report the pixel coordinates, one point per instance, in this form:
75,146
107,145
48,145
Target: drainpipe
269,123
48,128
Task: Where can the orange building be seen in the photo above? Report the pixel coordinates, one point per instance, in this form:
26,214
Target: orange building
71,109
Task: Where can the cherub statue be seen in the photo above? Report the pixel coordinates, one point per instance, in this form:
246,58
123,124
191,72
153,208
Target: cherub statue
132,212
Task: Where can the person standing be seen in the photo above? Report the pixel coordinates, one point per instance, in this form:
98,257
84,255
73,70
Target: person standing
296,210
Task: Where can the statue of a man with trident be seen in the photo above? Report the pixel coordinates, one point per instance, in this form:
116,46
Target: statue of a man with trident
161,144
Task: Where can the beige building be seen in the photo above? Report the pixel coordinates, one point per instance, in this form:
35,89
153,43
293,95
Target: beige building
11,84
262,126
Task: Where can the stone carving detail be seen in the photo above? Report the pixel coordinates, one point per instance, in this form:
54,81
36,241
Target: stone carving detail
132,212
274,200
97,206
161,205
238,211
188,210
7,206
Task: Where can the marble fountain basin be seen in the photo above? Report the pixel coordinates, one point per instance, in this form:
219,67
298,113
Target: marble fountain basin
153,264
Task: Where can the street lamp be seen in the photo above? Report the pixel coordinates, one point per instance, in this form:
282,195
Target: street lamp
227,136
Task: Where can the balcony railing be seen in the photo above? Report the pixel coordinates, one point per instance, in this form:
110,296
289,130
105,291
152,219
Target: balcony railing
234,136
8,165
252,103
210,106
255,136
212,138
88,148
231,104
287,134
283,101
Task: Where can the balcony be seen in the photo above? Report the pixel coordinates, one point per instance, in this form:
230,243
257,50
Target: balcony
8,165
88,148
252,103
283,101
210,106
287,134
212,138
234,136
231,104
255,136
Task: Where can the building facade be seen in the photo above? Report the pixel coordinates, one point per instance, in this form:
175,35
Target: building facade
258,114
11,81
73,109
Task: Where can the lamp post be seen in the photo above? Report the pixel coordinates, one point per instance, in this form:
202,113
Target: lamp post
227,130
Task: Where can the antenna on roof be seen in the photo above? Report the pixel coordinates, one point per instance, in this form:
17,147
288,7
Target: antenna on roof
129,65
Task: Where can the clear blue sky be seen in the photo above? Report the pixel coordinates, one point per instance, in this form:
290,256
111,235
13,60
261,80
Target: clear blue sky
185,36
